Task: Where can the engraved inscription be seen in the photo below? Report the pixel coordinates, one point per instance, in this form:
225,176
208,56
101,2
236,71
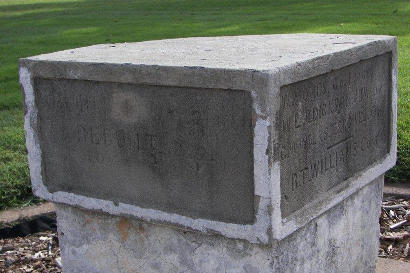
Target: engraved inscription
331,127
180,150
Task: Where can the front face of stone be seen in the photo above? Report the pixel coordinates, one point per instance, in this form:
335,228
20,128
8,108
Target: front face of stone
180,150
331,127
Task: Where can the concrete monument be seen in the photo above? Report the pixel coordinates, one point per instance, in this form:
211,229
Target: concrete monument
224,154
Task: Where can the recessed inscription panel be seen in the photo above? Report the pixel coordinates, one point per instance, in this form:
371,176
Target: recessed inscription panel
180,150
331,127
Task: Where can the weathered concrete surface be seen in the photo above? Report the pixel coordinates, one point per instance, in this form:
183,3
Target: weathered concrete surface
392,266
258,65
344,239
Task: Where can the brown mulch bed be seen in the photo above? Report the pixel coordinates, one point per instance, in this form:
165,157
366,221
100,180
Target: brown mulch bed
37,252
395,229
40,252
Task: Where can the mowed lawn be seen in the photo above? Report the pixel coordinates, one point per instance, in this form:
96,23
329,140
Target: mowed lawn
31,27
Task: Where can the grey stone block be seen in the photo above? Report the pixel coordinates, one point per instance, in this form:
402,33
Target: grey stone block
343,240
250,137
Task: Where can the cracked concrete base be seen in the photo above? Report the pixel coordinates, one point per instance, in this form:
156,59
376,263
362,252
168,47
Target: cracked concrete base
344,239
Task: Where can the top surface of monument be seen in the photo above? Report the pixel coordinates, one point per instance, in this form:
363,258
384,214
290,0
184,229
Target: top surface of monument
259,52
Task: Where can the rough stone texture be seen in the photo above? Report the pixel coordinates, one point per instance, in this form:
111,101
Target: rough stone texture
259,65
344,239
179,150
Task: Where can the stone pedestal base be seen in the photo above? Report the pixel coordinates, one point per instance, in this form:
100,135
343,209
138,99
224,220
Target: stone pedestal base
344,239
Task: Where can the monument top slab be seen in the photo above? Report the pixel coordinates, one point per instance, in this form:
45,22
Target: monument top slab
256,52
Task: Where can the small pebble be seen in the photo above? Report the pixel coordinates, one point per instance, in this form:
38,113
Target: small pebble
8,262
58,262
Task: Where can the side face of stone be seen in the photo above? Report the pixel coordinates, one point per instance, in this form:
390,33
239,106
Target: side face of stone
332,126
180,150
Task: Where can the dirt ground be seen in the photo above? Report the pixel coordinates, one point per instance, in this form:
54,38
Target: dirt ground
38,252
395,229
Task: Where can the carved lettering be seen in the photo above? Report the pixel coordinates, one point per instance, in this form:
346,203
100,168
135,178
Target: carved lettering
330,128
182,150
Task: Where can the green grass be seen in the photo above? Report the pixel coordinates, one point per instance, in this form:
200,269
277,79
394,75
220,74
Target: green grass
31,27
15,187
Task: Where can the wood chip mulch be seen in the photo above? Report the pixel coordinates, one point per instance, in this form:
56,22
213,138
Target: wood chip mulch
37,252
395,229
